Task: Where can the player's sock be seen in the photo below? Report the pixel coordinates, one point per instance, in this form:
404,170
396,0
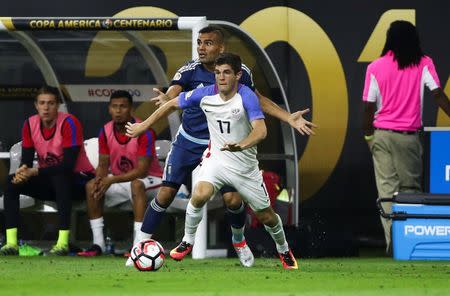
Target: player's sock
237,221
277,234
139,235
11,237
97,232
193,218
153,216
63,238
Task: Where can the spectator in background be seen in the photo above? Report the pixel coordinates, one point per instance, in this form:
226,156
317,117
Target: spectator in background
393,96
128,169
64,169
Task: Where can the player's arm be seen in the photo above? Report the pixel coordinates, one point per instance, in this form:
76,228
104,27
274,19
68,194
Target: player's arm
101,173
136,129
102,184
136,173
102,169
179,82
27,156
295,119
162,98
72,140
66,166
28,150
258,133
139,172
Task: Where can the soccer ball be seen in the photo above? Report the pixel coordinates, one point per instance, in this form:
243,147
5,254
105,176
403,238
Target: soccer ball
147,255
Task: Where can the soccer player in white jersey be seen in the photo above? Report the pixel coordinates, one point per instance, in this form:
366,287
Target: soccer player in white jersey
236,125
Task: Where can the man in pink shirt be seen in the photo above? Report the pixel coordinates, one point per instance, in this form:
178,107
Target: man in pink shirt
393,103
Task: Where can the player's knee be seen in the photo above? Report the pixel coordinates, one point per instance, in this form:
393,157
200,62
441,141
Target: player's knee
166,195
90,188
137,187
232,200
267,217
202,193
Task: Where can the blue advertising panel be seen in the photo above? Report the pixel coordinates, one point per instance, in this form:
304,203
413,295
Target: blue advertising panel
440,162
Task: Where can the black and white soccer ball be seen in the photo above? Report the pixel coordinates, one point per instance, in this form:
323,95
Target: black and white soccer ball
147,255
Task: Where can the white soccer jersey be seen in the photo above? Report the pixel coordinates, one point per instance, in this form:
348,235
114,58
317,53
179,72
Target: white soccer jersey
228,122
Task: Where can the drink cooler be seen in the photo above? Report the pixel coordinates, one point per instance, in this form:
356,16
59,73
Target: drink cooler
420,226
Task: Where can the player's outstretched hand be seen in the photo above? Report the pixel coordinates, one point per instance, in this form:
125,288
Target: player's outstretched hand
134,130
233,147
303,126
161,99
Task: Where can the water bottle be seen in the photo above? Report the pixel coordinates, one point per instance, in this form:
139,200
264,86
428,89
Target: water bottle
109,246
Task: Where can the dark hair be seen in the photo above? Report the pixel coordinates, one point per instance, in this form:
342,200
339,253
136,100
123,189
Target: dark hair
120,93
402,39
213,29
48,90
231,59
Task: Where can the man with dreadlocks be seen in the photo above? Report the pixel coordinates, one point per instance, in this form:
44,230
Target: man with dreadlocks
393,102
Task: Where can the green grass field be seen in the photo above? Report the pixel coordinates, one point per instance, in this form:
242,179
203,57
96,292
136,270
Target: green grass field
109,276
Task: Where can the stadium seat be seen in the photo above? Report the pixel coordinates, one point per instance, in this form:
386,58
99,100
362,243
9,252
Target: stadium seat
91,147
15,154
162,148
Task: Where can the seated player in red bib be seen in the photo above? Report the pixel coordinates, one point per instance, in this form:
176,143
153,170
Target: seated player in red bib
64,169
128,169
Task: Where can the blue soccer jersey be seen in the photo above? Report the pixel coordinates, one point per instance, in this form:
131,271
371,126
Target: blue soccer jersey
194,75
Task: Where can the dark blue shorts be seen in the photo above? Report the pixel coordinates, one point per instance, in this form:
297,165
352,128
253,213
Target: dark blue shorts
183,158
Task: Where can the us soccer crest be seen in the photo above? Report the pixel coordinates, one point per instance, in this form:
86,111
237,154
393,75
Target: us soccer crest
236,113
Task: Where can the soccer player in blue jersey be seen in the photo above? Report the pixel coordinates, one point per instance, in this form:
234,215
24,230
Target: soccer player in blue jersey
193,136
236,125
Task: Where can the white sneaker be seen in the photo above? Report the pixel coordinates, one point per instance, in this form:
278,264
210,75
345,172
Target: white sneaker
244,253
129,262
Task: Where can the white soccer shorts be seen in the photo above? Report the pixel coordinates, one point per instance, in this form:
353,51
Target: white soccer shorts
250,185
119,193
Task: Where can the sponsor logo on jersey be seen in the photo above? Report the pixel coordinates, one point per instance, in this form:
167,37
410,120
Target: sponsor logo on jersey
51,159
125,165
200,85
177,76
